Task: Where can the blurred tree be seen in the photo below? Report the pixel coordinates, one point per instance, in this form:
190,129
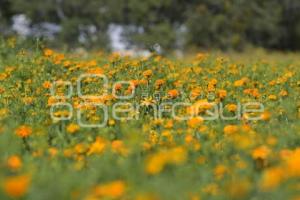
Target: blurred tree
6,14
154,22
234,23
290,38
225,24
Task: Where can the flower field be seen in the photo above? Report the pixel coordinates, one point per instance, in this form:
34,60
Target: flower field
105,126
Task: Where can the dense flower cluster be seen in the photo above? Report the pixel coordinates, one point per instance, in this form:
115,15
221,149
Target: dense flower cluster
146,157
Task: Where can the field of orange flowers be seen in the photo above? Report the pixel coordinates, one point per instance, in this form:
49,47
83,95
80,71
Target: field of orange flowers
98,126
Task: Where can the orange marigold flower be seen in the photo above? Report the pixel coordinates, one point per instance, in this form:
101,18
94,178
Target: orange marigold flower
240,82
231,107
293,163
222,94
135,82
48,52
157,162
47,84
14,162
97,147
283,93
230,129
72,128
147,73
272,97
118,147
16,186
52,151
118,86
115,189
272,178
195,122
173,93
265,116
159,83
213,82
95,71
261,152
24,131
219,171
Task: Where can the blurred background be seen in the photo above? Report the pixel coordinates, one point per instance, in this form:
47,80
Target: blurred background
165,25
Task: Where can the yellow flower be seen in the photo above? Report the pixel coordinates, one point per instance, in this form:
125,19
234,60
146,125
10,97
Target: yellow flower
3,76
72,128
230,129
231,107
195,122
97,147
159,83
239,83
272,97
115,189
147,73
272,178
222,94
157,162
283,93
14,162
48,52
52,151
46,84
219,171
173,93
16,186
24,131
293,163
261,152
265,116
118,147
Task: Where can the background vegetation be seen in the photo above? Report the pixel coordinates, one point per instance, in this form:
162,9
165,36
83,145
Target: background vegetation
173,24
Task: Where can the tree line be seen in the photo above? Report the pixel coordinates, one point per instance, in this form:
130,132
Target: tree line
173,24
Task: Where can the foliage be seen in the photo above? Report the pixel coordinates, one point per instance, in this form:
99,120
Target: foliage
228,24
147,158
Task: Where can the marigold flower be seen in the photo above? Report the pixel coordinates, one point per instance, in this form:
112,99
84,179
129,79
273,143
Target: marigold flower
23,131
72,128
195,122
97,147
265,115
147,73
283,93
231,107
14,162
16,186
48,52
261,152
272,178
293,163
222,94
159,83
46,84
240,82
118,147
52,151
115,189
118,86
272,97
219,171
230,129
157,162
173,93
